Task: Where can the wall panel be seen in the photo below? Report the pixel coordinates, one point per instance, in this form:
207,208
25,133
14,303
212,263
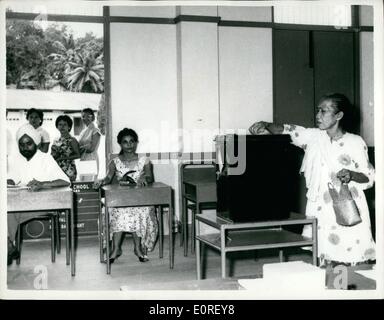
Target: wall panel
245,76
144,84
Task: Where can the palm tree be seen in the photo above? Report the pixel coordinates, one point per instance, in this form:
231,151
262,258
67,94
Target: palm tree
86,73
65,51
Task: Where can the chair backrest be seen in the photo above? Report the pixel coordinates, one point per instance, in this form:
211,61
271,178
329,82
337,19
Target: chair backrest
205,172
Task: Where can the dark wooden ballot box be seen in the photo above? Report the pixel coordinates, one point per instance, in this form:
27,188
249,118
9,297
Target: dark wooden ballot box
87,208
268,188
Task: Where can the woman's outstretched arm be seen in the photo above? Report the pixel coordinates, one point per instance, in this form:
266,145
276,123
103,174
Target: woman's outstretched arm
262,126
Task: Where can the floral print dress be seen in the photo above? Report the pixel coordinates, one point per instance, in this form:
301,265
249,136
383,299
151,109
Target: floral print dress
323,159
62,147
141,220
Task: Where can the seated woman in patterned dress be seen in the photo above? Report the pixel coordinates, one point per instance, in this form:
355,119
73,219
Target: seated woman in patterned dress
65,149
333,155
129,168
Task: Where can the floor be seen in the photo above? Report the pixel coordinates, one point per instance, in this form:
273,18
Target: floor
91,274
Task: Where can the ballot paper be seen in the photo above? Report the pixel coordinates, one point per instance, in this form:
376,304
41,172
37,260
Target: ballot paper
371,274
295,273
288,276
86,167
19,187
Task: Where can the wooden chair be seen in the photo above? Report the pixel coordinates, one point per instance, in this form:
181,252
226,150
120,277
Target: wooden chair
195,172
54,218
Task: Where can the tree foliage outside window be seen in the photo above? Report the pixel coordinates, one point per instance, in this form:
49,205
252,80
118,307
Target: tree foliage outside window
42,59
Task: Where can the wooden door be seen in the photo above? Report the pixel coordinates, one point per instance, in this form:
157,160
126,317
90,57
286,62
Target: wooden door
334,63
334,68
293,78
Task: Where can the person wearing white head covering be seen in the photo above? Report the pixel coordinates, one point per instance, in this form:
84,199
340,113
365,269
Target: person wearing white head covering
33,169
30,131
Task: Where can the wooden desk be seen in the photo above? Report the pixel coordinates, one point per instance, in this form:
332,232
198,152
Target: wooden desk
233,237
156,194
24,201
208,284
355,282
199,190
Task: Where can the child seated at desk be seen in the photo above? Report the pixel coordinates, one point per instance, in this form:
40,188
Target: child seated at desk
140,221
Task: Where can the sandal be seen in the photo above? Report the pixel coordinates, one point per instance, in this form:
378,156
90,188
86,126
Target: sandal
142,258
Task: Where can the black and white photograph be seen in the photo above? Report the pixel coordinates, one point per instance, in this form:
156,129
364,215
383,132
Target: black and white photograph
181,150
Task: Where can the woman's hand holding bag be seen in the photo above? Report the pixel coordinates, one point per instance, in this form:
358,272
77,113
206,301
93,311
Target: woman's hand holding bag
346,211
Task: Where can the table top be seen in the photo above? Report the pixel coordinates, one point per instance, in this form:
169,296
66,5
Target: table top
125,196
208,284
217,222
47,199
200,181
355,281
117,187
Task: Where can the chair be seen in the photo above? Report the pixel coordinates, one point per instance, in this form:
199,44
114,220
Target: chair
195,172
54,218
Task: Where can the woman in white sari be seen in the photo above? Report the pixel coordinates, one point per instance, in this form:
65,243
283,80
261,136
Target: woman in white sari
335,156
89,138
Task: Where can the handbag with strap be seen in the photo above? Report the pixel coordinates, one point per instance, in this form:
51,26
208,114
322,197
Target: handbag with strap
346,211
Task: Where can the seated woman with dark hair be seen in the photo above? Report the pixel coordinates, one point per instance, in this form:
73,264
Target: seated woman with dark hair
65,149
35,118
129,168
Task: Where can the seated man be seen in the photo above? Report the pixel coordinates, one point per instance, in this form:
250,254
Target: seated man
34,169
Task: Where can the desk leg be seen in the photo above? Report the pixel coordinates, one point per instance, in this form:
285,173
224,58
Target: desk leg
185,226
170,222
107,240
67,240
198,251
314,244
160,212
100,231
281,252
52,221
198,262
182,208
193,231
223,253
73,269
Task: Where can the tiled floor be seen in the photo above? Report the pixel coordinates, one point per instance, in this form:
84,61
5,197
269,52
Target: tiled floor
91,274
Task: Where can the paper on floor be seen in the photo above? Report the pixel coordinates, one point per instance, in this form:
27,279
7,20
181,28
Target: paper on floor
371,274
288,276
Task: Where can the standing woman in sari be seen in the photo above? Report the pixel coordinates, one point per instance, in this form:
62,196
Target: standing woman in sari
333,155
89,138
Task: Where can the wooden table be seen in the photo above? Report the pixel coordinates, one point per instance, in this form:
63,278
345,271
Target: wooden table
25,201
202,190
355,282
155,194
233,237
208,284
